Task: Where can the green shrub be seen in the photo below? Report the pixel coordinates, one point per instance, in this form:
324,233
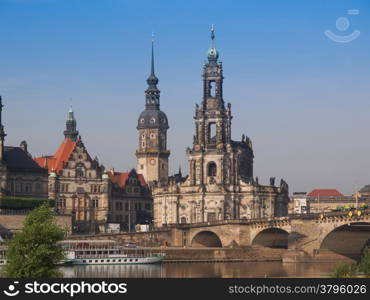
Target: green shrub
23,203
343,270
364,265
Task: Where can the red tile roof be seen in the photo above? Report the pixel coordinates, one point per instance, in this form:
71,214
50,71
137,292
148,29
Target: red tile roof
118,177
60,157
141,179
324,193
121,178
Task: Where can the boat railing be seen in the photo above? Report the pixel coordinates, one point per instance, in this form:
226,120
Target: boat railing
93,256
91,247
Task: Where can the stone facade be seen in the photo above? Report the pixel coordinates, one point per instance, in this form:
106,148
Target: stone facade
83,189
220,184
20,176
130,200
15,222
364,193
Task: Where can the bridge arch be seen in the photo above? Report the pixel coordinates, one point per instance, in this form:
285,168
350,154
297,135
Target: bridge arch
206,238
347,240
272,238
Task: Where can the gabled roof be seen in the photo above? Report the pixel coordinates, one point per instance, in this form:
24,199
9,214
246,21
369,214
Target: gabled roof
120,178
325,193
16,159
365,189
60,157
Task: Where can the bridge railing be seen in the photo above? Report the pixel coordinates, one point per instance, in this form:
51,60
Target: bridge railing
264,220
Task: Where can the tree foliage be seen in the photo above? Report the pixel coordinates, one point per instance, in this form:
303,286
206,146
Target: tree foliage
23,202
33,252
364,265
343,269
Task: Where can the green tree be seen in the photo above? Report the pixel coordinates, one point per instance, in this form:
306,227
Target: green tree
364,265
33,252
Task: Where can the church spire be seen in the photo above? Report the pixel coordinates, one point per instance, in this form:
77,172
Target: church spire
2,132
212,53
152,62
152,92
71,125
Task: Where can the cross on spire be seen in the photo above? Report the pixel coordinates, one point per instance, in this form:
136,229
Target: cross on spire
212,52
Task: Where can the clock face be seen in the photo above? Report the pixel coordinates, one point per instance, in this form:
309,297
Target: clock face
152,162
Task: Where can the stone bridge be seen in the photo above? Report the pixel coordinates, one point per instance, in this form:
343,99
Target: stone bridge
337,232
308,233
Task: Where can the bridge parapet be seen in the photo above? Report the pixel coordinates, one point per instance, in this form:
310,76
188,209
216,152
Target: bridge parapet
268,222
273,223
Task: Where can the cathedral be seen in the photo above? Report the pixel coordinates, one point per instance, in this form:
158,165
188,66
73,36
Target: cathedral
221,184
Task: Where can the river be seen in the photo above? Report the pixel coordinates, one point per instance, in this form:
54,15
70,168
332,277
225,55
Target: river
199,270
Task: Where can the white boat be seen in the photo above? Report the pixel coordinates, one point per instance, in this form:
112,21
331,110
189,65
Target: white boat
106,252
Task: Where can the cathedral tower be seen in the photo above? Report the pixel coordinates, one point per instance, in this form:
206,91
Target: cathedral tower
215,158
152,154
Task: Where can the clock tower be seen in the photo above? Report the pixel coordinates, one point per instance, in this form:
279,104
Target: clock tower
152,154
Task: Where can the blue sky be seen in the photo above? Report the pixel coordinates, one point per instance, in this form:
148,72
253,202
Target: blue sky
303,99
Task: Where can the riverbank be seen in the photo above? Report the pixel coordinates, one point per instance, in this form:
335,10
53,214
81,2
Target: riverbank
174,255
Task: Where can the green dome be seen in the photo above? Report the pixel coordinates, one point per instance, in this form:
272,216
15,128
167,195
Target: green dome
105,176
52,174
212,53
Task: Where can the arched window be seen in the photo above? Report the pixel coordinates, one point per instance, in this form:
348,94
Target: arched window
183,220
212,88
212,132
212,169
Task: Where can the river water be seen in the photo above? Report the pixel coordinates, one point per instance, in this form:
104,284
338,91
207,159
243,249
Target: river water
199,270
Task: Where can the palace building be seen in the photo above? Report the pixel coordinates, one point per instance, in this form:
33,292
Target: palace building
93,197
20,175
220,184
